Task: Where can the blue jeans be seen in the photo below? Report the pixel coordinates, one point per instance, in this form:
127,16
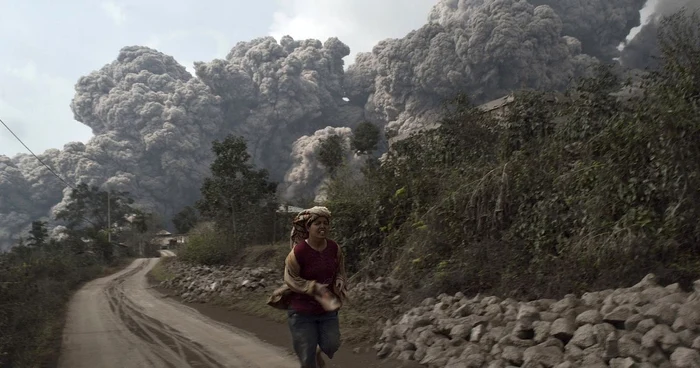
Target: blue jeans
309,331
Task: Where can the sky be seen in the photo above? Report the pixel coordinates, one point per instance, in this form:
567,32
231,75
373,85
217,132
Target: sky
48,45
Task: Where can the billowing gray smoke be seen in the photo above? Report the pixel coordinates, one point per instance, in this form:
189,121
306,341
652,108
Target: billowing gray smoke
153,126
15,199
154,122
484,48
599,25
307,176
273,93
642,52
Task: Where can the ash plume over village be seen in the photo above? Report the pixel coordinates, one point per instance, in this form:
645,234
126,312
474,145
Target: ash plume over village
153,122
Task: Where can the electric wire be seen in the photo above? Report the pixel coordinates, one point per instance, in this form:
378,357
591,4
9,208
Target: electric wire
43,163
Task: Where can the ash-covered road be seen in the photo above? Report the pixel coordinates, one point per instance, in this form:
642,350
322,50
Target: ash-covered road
117,321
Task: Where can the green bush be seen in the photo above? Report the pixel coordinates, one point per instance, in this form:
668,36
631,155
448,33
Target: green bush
207,246
354,223
35,286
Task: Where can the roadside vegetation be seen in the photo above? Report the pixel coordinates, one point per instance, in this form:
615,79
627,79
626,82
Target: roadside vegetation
591,188
563,193
39,275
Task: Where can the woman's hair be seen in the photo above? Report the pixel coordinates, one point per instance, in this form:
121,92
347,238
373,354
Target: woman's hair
302,221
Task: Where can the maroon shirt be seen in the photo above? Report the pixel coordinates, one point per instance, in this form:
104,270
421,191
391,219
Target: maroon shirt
321,267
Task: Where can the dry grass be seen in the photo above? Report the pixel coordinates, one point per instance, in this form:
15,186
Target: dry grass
359,322
160,271
268,255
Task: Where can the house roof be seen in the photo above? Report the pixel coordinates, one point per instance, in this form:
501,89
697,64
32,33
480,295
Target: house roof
289,209
163,232
497,103
486,107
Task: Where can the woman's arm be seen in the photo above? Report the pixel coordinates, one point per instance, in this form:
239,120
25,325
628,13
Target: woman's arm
294,280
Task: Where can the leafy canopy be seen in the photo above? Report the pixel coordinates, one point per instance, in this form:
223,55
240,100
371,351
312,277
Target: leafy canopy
555,193
331,152
185,219
236,191
365,138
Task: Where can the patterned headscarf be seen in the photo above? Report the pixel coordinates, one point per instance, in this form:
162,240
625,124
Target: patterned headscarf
302,221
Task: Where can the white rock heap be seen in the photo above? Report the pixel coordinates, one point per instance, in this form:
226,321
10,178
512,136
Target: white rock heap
646,325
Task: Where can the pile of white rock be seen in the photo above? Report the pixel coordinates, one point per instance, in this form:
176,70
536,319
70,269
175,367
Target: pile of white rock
381,287
202,284
646,325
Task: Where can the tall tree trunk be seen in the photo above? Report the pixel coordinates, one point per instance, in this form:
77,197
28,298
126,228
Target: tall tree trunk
234,226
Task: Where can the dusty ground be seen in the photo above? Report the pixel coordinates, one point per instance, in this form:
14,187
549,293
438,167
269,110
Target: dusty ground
278,334
118,321
274,331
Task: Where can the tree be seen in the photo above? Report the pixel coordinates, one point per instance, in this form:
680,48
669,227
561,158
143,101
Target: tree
86,215
88,208
137,236
142,222
236,193
185,219
38,234
365,138
331,152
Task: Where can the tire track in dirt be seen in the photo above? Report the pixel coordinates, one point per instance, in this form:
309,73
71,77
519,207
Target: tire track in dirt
169,344
118,322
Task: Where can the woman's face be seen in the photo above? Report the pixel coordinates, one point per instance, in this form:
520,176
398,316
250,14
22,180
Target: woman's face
319,228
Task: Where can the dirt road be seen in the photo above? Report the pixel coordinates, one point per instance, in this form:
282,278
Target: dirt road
167,253
117,321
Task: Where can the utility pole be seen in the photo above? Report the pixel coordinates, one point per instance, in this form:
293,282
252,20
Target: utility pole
109,220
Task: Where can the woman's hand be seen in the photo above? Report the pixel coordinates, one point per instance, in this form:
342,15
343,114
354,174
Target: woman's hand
339,284
321,289
326,298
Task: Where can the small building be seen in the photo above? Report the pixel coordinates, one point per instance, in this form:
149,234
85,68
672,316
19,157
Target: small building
287,209
167,240
497,107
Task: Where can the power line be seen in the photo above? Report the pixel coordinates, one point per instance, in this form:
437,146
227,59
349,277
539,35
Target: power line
43,163
37,157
